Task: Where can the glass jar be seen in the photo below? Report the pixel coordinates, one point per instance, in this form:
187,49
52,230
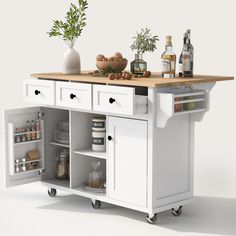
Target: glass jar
138,66
95,176
62,164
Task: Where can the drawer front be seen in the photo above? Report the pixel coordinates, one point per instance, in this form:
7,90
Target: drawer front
39,91
113,99
74,95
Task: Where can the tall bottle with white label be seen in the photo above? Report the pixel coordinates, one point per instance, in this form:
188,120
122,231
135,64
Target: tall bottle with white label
187,56
168,59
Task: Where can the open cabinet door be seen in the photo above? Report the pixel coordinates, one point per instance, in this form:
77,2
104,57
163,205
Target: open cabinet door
20,172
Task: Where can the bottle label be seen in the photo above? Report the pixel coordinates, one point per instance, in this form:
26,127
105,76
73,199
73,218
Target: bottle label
186,61
97,124
166,65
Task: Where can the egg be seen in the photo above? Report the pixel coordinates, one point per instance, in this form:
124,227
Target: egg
117,55
100,57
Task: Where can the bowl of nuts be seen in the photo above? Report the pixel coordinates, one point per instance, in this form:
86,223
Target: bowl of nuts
114,64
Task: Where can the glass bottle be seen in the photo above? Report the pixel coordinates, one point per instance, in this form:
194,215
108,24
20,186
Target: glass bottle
138,66
188,57
95,175
181,57
168,59
28,130
33,133
62,164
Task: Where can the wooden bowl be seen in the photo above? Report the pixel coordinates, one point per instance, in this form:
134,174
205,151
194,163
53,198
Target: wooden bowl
112,66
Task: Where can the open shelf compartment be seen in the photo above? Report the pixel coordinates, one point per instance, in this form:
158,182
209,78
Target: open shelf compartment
179,102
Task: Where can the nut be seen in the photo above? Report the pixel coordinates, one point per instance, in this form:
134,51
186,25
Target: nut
112,76
147,74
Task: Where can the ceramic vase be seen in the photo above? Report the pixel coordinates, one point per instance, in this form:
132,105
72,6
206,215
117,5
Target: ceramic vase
71,62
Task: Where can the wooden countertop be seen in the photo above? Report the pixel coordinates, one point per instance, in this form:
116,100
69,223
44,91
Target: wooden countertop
154,81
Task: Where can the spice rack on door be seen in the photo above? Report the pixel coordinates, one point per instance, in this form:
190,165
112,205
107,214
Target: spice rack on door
19,150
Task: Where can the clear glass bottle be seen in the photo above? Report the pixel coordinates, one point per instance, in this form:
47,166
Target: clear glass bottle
181,57
188,56
62,164
168,59
95,175
138,66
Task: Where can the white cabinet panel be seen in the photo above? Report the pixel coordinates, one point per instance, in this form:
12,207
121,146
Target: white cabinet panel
113,99
127,162
74,95
39,91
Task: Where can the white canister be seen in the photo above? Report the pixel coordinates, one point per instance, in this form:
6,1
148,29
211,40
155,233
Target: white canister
98,141
99,123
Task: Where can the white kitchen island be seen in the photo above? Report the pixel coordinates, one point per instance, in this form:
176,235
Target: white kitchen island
148,162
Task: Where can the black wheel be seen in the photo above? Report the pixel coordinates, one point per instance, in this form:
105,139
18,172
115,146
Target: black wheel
96,204
177,212
151,220
52,192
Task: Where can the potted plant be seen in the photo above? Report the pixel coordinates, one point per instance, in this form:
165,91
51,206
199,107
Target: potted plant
143,42
69,31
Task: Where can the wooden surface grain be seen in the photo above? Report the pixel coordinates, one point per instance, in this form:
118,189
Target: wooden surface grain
154,81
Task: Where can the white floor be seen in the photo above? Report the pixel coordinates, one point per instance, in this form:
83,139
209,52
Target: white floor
28,210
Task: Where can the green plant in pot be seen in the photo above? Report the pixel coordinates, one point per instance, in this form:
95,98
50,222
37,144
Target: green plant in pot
69,31
143,42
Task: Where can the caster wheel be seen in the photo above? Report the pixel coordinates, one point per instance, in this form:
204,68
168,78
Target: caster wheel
96,204
52,192
177,212
151,219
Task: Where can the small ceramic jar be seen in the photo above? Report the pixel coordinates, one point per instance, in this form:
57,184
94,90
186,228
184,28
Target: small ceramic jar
99,124
99,141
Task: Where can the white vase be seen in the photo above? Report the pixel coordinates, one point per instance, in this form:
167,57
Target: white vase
71,62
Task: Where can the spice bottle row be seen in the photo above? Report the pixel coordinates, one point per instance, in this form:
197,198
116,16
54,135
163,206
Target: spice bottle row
32,131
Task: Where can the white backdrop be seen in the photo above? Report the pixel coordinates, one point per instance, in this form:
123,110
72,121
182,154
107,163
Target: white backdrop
25,48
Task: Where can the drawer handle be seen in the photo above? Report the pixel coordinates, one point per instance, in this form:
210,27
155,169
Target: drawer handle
37,92
109,138
72,96
111,100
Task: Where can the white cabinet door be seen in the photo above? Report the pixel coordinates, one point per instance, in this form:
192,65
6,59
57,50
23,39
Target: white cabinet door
114,99
39,91
127,160
74,95
13,150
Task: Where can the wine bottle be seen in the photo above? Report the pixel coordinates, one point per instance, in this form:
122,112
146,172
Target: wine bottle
168,60
181,57
187,57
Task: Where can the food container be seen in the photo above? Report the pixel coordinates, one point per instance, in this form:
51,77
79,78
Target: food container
62,164
178,106
98,141
99,123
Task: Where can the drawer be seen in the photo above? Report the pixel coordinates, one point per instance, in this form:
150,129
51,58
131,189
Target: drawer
117,100
39,91
74,95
